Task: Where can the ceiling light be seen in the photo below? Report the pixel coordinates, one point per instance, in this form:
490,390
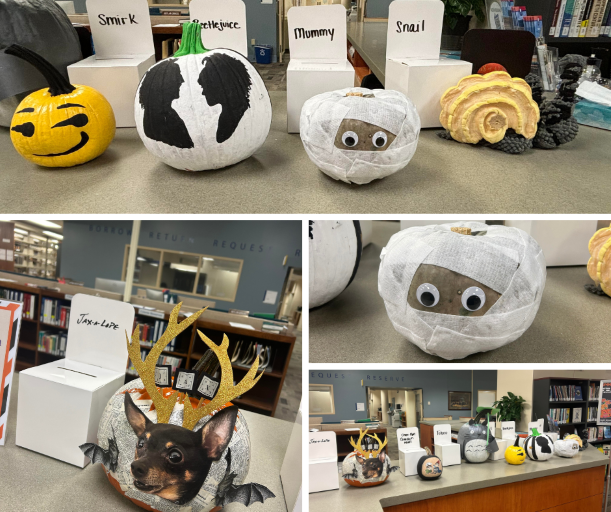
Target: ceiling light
45,223
54,235
22,231
183,268
209,259
154,264
140,258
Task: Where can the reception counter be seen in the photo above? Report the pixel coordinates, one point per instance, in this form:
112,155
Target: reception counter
556,485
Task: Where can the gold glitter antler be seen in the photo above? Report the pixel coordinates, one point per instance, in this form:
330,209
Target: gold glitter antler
357,446
227,391
375,453
146,368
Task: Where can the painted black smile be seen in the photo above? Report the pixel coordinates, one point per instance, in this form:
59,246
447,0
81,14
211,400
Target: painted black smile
84,140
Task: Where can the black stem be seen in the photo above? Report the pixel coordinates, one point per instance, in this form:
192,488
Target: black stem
57,83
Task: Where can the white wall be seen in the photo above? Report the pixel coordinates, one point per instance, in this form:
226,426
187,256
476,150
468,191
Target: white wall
573,374
410,409
519,382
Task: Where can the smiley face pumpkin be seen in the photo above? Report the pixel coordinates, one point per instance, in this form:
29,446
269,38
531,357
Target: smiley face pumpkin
64,125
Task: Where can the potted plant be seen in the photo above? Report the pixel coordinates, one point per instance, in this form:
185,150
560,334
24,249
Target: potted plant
510,407
456,21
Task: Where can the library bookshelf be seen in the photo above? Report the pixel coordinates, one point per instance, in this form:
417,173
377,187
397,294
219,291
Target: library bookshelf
542,404
263,398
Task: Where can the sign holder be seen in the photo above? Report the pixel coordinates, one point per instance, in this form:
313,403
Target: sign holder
447,451
223,24
322,461
410,451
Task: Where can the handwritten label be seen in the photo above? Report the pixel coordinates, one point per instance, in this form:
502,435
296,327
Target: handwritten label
508,430
85,319
223,24
414,29
323,445
117,20
442,434
318,32
408,438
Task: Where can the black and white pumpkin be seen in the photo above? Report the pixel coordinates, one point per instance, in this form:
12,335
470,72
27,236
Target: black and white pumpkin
202,109
43,27
566,447
539,447
335,253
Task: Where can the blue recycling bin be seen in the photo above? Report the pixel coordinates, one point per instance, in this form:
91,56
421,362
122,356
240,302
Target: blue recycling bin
263,53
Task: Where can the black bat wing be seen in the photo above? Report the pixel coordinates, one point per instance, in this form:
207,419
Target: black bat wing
393,469
354,474
113,455
96,453
247,494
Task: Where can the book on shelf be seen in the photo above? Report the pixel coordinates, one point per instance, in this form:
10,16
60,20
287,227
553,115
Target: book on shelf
174,362
592,413
598,7
586,18
565,25
605,27
52,312
52,343
150,332
560,18
28,300
565,393
592,433
580,7
607,433
560,415
601,433
577,415
594,391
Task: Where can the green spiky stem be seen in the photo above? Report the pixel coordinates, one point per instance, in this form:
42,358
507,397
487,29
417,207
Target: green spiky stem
191,43
535,432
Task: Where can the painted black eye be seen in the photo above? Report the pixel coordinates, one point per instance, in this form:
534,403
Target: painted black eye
350,139
175,457
473,298
25,129
427,295
140,443
380,139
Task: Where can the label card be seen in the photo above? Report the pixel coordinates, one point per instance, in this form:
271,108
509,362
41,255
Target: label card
414,29
318,32
207,386
323,445
163,376
508,430
184,380
408,438
223,24
120,29
442,434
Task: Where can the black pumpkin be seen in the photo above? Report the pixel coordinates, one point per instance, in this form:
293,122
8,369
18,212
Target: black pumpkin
41,26
429,467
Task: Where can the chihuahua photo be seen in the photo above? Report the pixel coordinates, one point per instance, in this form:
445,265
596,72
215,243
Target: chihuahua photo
372,468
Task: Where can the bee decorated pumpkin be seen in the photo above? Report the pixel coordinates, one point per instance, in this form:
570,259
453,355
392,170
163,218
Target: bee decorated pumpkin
168,451
369,464
335,253
461,288
539,446
599,264
202,109
358,135
515,454
567,447
64,125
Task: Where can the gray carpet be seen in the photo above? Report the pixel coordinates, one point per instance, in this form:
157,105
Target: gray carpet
572,325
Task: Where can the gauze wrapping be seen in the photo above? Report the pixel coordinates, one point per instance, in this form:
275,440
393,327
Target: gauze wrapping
322,115
505,259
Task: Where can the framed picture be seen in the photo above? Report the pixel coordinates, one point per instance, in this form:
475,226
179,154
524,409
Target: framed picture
459,400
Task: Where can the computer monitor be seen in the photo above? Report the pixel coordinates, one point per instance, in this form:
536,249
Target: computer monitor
154,295
110,285
398,406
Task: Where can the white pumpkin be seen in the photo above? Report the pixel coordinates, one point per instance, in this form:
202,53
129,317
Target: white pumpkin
539,447
202,110
475,450
358,135
566,447
335,252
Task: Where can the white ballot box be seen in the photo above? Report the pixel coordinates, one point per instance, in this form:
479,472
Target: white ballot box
124,51
322,462
61,403
319,63
502,444
413,64
223,24
410,451
447,451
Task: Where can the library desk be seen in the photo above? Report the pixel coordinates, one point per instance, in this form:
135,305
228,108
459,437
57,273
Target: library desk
556,485
31,482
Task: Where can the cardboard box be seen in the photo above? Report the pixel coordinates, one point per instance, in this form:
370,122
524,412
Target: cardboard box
322,461
448,453
116,79
61,403
424,81
408,460
500,454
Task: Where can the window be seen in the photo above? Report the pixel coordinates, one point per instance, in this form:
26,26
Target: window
321,399
209,276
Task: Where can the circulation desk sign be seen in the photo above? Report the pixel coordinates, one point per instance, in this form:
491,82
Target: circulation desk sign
604,403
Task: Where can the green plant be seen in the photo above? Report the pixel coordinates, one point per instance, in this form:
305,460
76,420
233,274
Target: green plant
454,9
510,407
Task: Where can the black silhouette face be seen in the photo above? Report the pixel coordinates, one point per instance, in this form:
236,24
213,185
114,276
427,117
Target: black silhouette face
439,290
372,468
356,135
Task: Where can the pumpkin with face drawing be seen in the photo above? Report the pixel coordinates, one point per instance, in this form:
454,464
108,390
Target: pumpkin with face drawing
515,454
369,464
64,125
358,135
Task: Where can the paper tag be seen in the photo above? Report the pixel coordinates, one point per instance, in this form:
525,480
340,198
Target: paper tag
414,29
207,386
223,24
360,406
318,32
408,438
270,297
442,434
508,430
120,29
184,380
152,314
163,376
322,445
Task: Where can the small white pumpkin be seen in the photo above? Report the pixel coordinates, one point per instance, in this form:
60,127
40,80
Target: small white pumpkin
566,447
539,447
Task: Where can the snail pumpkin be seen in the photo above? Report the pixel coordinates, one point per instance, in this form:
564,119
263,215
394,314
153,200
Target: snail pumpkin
567,447
64,125
485,107
599,264
515,454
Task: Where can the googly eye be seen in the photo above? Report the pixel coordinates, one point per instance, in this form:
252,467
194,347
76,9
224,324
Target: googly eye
427,295
473,298
380,139
350,139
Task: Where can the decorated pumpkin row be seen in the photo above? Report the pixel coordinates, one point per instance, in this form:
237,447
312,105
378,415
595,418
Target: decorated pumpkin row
541,447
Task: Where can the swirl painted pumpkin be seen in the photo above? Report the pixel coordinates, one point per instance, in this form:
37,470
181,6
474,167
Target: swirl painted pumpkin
202,109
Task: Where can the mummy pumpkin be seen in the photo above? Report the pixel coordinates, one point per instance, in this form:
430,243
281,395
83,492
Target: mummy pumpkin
566,447
200,109
359,135
599,264
476,442
167,451
335,252
461,288
485,107
539,447
369,464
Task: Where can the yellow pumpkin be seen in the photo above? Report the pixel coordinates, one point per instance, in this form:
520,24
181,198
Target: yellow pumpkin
64,125
599,264
515,454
